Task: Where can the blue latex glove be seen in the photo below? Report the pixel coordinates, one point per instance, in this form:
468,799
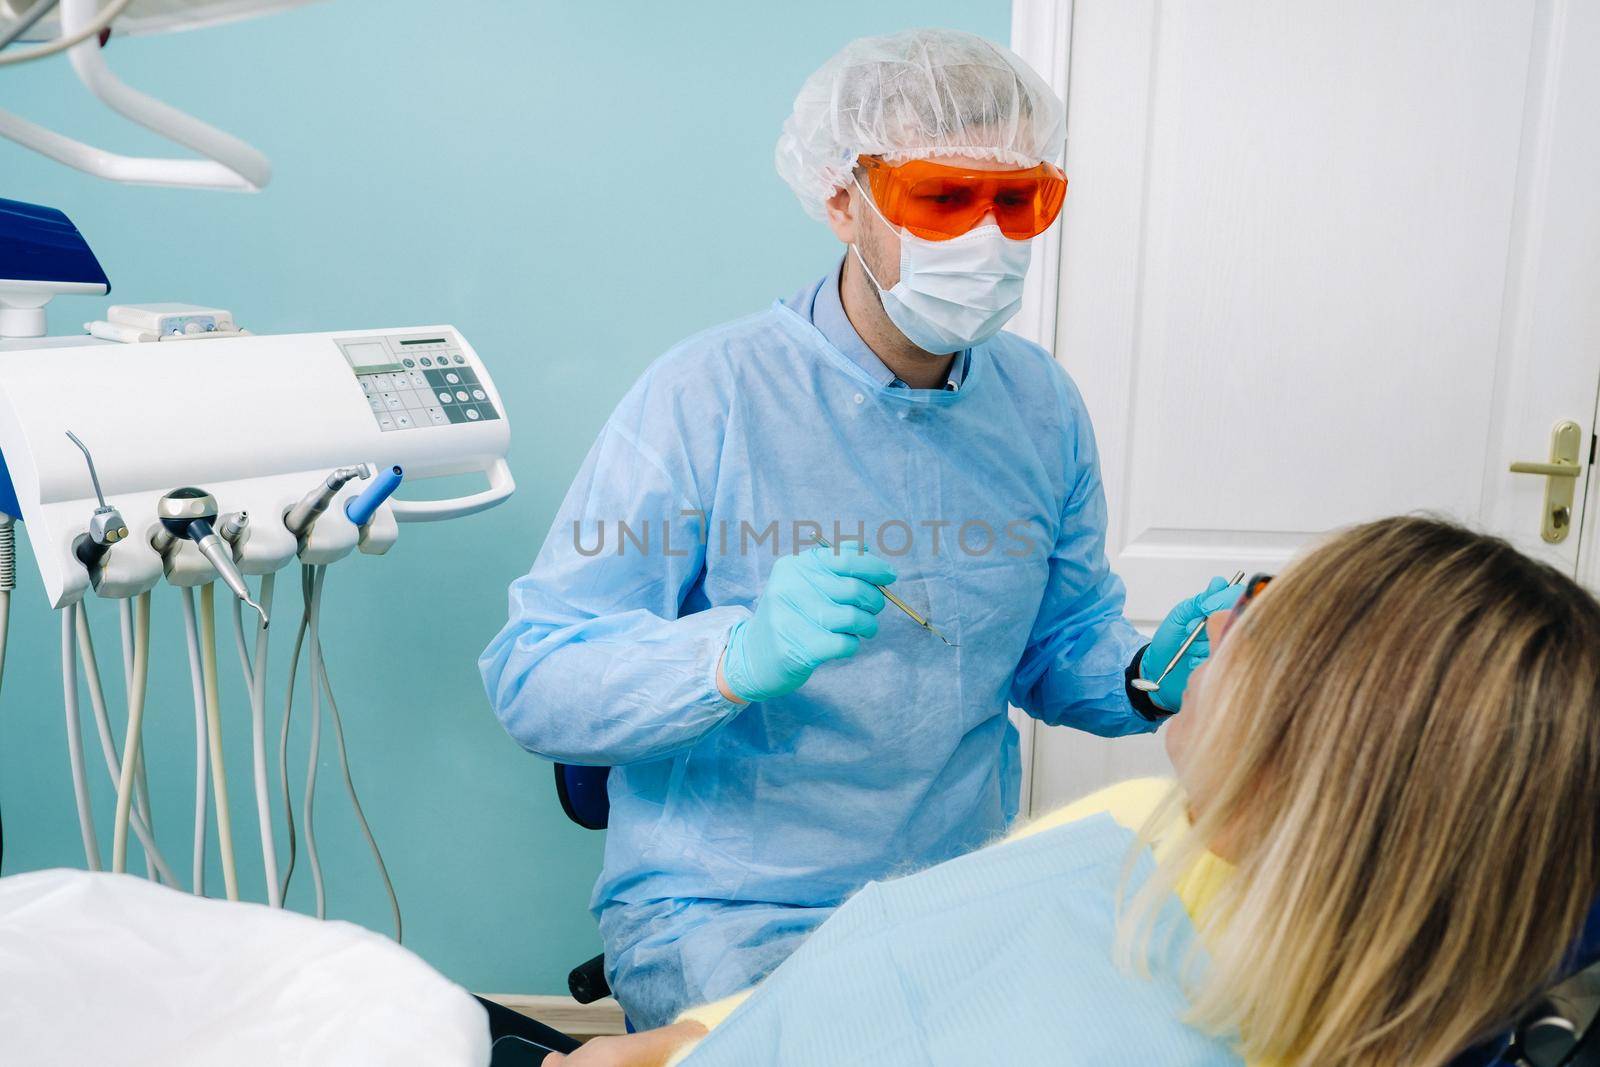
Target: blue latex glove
1173,631
816,606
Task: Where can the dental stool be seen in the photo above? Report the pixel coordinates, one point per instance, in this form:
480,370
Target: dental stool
582,792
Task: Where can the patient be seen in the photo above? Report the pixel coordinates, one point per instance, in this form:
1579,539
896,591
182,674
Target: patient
1382,837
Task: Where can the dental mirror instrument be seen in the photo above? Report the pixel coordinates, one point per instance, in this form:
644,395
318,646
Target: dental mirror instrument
1145,685
901,604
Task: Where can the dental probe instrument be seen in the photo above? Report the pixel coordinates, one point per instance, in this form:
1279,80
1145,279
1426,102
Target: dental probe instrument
901,604
1145,685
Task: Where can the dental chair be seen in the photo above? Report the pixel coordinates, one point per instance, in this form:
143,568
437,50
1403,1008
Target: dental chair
1545,1036
518,1041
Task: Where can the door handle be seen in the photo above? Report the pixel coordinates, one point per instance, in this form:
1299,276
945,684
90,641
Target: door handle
1549,470
1561,479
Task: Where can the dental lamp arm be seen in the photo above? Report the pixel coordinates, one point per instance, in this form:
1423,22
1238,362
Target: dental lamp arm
25,22
101,23
229,164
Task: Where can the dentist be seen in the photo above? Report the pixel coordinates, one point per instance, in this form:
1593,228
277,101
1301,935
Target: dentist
778,740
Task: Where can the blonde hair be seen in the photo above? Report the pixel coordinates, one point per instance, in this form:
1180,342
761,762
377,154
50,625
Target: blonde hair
1399,737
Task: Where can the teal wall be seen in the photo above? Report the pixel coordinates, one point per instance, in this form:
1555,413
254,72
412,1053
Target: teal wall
573,185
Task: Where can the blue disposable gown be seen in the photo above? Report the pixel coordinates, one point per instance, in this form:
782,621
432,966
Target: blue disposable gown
1007,955
736,830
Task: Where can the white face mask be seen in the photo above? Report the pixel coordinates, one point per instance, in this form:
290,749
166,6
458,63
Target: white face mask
957,293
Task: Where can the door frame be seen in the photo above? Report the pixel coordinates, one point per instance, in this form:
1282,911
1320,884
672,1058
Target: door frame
1588,574
1041,33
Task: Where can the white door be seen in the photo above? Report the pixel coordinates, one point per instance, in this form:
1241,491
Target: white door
1320,262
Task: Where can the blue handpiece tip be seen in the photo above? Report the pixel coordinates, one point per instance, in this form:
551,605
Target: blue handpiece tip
360,509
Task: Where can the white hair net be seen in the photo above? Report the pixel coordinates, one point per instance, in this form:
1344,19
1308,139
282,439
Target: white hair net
916,93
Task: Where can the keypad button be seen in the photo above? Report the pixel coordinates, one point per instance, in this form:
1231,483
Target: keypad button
453,378
376,403
437,416
418,380
479,394
444,397
459,359
393,402
403,421
385,423
472,413
409,362
383,381
367,387
461,395
427,362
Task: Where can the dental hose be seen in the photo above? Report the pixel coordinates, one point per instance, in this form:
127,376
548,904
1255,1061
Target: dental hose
201,747
255,676
320,672
80,778
141,784
258,740
136,695
155,861
8,582
308,589
311,579
283,733
219,774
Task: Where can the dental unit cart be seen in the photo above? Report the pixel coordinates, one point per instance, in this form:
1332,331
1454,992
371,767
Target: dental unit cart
170,447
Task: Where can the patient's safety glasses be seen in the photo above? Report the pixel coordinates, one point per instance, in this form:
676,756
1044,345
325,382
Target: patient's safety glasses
1252,587
937,202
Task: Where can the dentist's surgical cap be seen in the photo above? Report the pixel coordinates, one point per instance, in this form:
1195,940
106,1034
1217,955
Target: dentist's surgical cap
910,94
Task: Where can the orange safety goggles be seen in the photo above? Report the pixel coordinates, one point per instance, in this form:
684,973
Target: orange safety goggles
937,202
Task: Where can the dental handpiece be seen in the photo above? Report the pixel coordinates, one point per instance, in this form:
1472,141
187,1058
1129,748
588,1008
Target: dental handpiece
106,527
189,512
1145,685
361,509
217,552
901,604
306,510
233,526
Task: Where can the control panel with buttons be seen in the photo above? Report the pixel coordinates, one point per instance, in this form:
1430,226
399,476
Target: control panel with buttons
415,381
